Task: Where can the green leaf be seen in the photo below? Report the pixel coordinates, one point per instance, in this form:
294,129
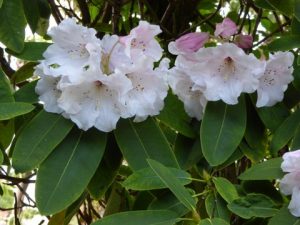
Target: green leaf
285,132
23,73
38,139
168,178
9,110
1,2
213,221
216,207
145,217
27,93
6,92
253,205
297,9
285,43
283,216
141,141
188,151
226,189
31,10
263,4
33,51
222,129
7,132
296,140
273,116
168,201
267,170
147,179
12,25
107,170
287,8
65,174
173,115
1,157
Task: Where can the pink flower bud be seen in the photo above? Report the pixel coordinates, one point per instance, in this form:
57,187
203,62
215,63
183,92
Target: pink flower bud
188,43
226,28
244,41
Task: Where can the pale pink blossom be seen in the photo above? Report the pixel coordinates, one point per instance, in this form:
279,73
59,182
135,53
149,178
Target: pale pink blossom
226,29
294,205
291,161
188,43
244,41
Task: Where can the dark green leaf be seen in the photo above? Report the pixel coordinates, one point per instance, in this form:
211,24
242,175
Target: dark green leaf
285,43
31,10
283,216
267,170
38,139
297,9
263,4
296,140
12,25
285,132
7,132
6,92
253,205
216,207
168,178
141,141
1,157
27,93
287,8
24,72
213,221
226,189
147,217
10,110
222,130
147,179
173,115
65,174
33,51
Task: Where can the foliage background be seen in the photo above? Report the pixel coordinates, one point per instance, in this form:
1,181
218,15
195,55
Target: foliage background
131,170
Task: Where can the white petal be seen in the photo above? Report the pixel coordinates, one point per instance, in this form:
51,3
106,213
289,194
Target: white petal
294,205
289,181
291,161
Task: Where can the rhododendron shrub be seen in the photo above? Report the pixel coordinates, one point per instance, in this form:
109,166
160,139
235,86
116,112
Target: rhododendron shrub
150,112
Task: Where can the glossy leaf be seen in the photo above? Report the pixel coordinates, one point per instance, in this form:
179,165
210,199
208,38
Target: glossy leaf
27,93
1,157
141,141
14,109
216,207
285,43
283,216
213,221
65,174
24,72
12,25
147,217
33,51
168,178
38,139
285,132
267,170
296,140
226,189
222,130
173,115
147,179
253,205
6,92
287,8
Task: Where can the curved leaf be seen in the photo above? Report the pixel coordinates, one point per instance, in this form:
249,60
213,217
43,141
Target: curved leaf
10,110
213,221
147,217
65,174
147,179
222,129
38,139
33,51
168,178
226,189
141,141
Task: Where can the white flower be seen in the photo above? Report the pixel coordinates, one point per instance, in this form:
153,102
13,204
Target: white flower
181,84
224,72
47,90
294,205
149,90
96,101
141,41
275,79
75,49
290,183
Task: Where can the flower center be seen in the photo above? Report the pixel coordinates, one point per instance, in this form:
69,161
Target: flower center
140,44
227,68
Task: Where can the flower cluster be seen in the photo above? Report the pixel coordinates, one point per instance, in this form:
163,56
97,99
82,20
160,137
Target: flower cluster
290,184
96,82
225,71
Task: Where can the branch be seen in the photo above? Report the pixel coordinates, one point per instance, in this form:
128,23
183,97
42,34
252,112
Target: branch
55,12
86,18
5,65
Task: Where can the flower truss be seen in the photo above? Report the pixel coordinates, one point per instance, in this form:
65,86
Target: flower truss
225,71
96,82
290,184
